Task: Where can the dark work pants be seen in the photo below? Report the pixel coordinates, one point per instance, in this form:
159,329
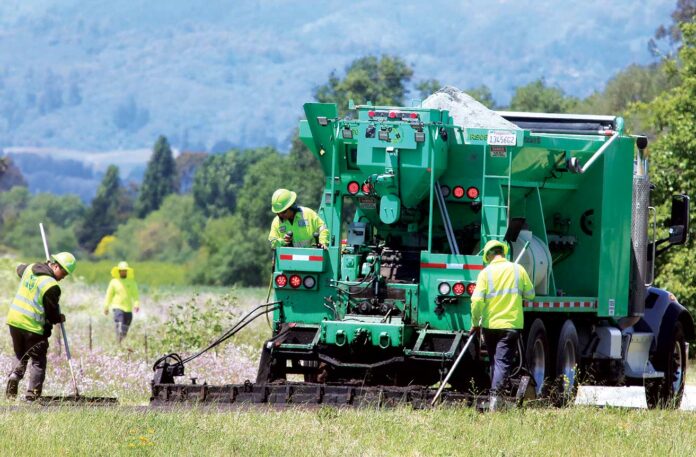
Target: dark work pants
28,345
502,346
122,320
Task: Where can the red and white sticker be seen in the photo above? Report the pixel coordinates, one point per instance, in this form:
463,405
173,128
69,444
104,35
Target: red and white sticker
560,304
301,258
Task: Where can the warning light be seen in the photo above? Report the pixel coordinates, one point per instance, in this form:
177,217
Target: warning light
309,282
445,191
371,113
413,115
392,114
458,288
443,288
295,281
458,192
472,193
353,187
470,288
366,188
281,280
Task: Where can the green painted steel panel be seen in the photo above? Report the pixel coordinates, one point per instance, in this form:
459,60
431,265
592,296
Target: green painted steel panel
378,333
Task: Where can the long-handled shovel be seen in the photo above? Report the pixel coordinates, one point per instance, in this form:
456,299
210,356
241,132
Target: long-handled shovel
61,325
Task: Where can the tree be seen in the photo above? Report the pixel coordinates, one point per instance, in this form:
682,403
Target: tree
427,87
483,95
220,177
187,164
538,97
684,12
381,81
10,175
102,217
159,180
673,163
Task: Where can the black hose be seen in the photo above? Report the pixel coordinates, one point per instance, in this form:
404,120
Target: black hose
243,322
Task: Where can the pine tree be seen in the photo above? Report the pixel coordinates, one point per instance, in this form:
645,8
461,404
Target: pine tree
159,181
101,218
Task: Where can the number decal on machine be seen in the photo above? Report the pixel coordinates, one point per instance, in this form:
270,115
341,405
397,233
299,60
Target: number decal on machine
502,138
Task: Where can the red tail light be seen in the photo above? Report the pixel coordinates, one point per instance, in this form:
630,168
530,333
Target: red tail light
470,288
413,115
366,189
371,113
353,187
472,193
458,192
392,114
281,280
295,281
458,288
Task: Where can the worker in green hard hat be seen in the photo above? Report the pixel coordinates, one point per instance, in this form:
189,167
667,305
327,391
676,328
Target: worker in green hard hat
122,295
33,312
496,305
295,225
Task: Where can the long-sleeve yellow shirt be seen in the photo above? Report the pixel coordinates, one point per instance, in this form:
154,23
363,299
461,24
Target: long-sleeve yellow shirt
122,294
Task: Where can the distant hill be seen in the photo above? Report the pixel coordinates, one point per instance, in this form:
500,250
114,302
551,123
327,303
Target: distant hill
98,75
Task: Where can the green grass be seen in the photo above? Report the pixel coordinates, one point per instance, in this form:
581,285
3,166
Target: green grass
329,431
147,274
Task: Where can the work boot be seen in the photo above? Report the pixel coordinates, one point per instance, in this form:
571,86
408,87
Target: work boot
33,394
12,386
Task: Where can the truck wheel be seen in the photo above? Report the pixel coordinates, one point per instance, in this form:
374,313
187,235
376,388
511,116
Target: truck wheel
671,359
567,360
538,358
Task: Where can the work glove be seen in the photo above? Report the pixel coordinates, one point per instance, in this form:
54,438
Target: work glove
48,329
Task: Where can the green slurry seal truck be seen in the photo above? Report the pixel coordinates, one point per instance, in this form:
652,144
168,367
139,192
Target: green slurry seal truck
411,196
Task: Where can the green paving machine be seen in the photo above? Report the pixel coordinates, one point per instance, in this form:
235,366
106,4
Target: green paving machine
411,196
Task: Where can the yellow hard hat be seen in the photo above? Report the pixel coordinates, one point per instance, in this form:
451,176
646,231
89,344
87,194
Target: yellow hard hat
122,266
494,244
282,199
66,261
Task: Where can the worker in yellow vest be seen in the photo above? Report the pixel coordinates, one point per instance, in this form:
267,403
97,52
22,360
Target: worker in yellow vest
295,225
33,311
122,296
497,305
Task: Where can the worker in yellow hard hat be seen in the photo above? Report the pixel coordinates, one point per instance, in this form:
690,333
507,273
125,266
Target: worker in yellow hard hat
496,305
294,225
33,312
122,296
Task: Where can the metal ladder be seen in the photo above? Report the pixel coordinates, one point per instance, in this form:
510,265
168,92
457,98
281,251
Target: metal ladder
495,180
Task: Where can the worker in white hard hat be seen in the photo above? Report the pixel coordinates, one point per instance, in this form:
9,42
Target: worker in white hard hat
33,312
295,225
496,305
122,296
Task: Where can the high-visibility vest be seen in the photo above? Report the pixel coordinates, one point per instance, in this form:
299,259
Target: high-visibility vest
304,225
497,299
26,309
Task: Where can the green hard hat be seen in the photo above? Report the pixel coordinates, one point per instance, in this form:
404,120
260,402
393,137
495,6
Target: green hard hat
494,244
282,199
65,260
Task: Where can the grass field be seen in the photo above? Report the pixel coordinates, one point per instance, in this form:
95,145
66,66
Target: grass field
327,432
105,369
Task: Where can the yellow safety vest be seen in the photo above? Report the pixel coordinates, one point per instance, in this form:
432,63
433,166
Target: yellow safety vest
26,309
303,227
497,299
